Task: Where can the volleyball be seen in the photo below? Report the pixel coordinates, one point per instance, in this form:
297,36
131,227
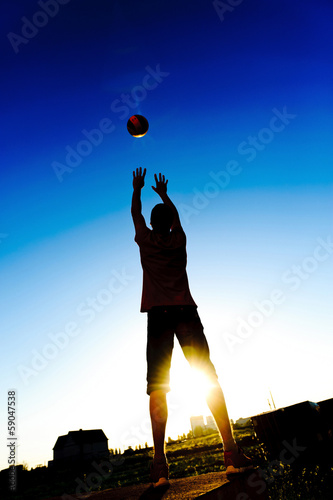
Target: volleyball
137,125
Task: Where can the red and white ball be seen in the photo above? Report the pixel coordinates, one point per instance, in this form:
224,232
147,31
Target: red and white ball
137,125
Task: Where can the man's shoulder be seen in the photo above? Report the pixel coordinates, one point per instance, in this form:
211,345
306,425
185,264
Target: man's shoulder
141,232
178,231
178,228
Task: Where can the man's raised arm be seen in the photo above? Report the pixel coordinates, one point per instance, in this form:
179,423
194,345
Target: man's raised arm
161,190
138,183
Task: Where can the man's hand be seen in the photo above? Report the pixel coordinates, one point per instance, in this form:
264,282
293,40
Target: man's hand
161,185
161,190
139,178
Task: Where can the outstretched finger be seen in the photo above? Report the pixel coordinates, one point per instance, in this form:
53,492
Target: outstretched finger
144,172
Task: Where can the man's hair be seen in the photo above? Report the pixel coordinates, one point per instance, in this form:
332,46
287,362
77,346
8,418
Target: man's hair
161,217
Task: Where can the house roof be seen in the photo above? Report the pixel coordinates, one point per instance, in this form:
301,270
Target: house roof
81,437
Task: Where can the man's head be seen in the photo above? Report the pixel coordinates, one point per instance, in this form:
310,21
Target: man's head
161,218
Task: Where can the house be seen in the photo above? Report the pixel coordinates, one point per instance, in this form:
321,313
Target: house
79,447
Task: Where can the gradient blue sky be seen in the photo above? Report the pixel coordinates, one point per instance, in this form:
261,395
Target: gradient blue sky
264,234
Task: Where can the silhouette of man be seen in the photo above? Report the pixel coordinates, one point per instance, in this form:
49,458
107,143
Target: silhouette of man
171,310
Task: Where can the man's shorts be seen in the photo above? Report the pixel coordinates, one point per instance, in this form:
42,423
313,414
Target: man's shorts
163,324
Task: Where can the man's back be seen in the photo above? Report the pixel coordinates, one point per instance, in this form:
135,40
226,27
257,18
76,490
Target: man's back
163,259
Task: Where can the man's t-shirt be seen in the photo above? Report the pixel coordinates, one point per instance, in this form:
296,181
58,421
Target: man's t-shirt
163,260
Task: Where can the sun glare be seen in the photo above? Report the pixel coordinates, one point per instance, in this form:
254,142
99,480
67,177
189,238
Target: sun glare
191,387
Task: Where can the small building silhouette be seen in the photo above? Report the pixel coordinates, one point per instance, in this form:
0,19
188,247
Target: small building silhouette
243,421
210,423
80,447
199,427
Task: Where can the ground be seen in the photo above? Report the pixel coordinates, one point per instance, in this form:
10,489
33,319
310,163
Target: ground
187,488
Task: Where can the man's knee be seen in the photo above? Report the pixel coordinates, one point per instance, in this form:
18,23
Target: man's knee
156,388
158,393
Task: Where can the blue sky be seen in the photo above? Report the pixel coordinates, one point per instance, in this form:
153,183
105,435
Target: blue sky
239,107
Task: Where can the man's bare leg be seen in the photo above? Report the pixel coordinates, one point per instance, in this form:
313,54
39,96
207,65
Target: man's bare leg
158,415
217,406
